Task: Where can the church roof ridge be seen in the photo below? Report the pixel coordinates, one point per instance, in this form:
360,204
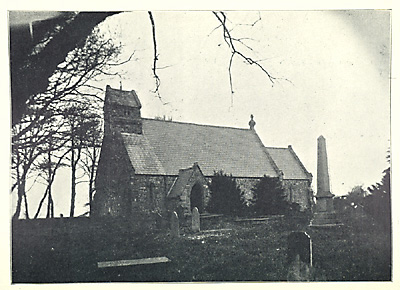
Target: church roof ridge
273,147
197,124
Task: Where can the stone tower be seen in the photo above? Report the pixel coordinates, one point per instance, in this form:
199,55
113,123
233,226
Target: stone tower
113,184
121,112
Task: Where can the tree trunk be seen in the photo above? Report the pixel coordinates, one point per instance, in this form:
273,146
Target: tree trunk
91,180
21,194
49,196
41,203
19,201
26,205
18,208
73,182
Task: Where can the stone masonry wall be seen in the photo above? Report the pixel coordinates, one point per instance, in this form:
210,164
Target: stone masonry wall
149,193
298,191
184,202
112,180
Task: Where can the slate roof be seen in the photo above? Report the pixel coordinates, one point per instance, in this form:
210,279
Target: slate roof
123,98
141,155
165,147
288,162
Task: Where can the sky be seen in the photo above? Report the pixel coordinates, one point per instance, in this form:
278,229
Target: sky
333,79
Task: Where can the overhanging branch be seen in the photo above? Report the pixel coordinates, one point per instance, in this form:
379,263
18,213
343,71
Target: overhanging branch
231,41
155,58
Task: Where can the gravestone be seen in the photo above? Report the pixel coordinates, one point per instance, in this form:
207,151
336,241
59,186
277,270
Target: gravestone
299,243
195,220
299,257
174,224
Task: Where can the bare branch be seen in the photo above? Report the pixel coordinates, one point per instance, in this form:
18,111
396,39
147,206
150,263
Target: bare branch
155,58
123,62
230,41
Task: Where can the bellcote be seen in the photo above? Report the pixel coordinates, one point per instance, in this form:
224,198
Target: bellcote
122,111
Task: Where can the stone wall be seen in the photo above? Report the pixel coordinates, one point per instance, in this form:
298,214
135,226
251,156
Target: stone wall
149,193
298,191
184,201
113,177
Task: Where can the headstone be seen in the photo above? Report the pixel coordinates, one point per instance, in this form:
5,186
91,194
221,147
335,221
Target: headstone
299,271
174,224
299,243
299,257
195,220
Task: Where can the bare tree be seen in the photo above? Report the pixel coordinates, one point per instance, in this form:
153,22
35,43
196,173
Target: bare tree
34,60
49,168
83,135
91,154
26,152
74,79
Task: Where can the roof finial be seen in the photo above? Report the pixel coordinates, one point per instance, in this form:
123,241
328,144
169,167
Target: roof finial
252,123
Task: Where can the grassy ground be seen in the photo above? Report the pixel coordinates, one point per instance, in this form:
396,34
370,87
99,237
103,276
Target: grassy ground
243,251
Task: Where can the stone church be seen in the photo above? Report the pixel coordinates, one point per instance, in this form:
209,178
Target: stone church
155,166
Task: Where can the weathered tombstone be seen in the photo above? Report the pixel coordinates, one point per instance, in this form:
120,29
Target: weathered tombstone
195,220
174,224
299,257
299,243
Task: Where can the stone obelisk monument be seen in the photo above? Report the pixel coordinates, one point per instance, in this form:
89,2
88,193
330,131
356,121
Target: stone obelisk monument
324,214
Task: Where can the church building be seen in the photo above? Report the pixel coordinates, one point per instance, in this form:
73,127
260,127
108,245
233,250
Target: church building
150,166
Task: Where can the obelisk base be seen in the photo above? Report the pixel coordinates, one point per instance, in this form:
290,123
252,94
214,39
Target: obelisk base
325,219
324,215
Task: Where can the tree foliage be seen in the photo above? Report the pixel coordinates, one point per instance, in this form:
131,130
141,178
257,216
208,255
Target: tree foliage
226,196
378,203
269,197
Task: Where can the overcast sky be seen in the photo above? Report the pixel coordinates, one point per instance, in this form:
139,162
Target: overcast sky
334,68
336,63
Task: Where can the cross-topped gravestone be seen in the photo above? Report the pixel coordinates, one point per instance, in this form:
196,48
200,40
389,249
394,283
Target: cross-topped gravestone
195,220
174,224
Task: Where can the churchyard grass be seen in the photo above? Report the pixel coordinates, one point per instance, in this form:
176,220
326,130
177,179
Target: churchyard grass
239,251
